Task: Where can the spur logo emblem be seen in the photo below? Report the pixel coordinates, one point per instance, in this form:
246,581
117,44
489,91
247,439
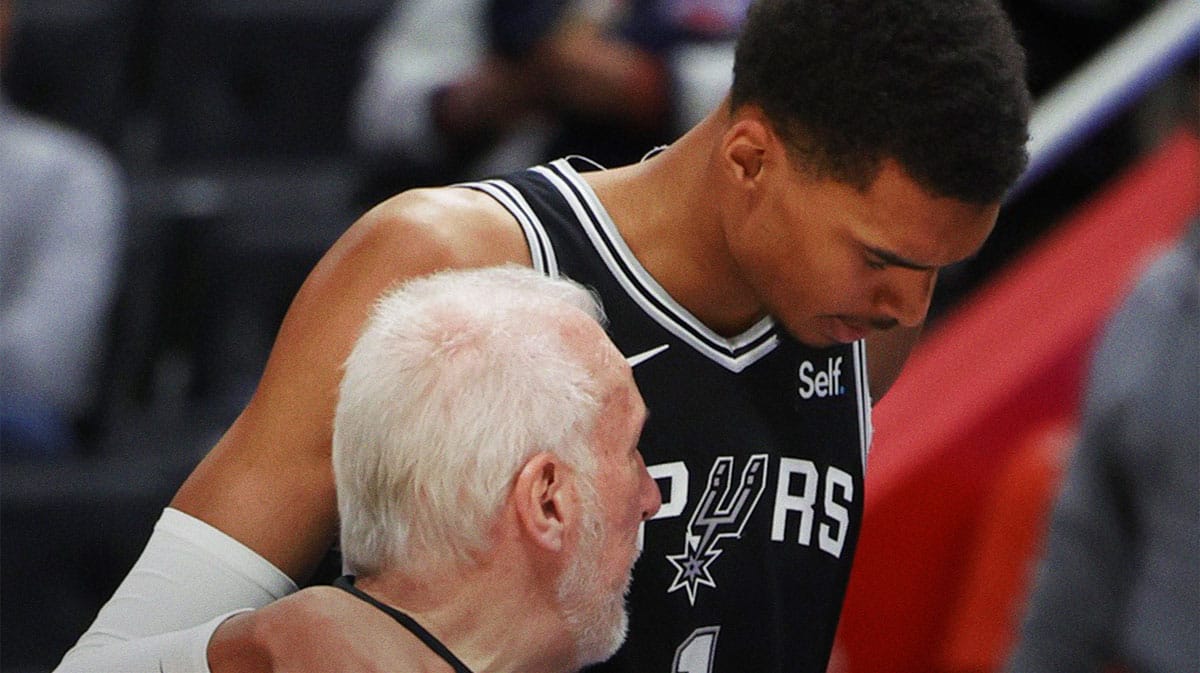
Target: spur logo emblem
720,515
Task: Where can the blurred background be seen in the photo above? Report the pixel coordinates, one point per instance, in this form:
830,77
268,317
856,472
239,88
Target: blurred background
171,169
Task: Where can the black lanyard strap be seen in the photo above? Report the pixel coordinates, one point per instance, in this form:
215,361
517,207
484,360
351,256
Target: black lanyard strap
346,582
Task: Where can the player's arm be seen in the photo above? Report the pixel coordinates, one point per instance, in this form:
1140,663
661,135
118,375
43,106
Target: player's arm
886,354
262,502
268,481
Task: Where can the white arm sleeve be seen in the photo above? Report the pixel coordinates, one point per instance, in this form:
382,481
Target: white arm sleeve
189,579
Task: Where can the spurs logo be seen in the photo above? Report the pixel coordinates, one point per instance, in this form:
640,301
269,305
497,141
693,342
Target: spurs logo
721,514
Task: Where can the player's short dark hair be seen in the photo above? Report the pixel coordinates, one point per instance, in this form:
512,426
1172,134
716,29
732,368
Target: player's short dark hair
938,85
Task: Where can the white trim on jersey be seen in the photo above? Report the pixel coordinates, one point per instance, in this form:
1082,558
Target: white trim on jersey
734,354
540,249
863,385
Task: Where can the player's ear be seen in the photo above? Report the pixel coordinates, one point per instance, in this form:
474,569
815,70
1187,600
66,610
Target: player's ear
545,500
745,145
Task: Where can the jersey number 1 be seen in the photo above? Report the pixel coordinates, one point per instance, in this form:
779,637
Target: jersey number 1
695,655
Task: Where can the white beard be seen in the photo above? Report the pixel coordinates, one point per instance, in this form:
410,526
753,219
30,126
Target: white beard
596,616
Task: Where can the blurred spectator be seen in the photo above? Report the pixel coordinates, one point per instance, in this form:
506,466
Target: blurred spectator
62,201
468,88
1120,581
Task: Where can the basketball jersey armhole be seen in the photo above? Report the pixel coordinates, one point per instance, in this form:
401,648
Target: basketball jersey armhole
541,251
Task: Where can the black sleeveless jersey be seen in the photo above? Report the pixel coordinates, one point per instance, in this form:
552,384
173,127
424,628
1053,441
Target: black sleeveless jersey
757,442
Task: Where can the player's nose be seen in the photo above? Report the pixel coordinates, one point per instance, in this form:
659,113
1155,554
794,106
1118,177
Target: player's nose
907,296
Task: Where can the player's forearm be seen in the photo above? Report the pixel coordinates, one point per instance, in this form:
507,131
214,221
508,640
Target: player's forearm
172,652
187,581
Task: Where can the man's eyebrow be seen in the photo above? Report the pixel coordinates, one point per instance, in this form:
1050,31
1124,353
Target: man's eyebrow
893,259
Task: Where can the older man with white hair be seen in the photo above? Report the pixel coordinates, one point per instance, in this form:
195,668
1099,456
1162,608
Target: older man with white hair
489,486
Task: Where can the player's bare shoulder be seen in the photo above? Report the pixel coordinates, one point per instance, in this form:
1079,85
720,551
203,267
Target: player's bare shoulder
444,227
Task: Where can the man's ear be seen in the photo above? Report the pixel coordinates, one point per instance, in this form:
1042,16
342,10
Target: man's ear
545,500
746,145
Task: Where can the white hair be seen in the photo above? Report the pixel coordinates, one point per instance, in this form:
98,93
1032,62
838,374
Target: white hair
457,379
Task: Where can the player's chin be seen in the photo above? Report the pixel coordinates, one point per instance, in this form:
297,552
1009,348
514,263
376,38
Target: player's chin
836,330
816,335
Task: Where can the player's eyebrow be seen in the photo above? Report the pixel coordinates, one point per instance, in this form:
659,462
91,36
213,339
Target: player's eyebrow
893,259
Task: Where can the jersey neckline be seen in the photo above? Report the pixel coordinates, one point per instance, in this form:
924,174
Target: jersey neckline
734,353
